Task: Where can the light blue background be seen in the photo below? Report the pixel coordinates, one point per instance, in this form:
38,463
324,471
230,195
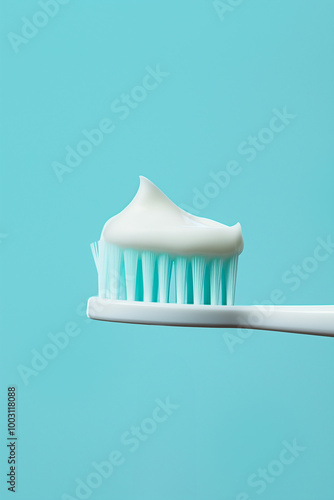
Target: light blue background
236,405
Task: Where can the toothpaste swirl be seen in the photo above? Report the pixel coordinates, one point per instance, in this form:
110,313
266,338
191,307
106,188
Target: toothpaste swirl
153,222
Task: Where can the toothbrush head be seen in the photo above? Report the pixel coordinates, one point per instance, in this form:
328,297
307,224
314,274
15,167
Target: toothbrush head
156,255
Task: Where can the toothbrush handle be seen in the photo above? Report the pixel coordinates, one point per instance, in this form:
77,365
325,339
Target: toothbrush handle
312,320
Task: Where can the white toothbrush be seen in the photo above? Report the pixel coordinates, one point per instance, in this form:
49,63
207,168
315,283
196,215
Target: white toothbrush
159,265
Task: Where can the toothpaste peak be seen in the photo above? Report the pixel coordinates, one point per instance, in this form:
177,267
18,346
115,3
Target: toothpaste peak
149,195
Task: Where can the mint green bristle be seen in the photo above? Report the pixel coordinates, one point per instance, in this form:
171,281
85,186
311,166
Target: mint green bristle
198,265
216,270
164,275
148,260
180,264
130,264
128,274
95,251
189,283
114,256
207,299
100,251
231,276
122,281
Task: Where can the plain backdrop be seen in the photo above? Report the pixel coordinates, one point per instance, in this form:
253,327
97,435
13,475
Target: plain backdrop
223,71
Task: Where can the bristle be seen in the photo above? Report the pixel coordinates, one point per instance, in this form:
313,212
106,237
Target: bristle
148,266
198,272
130,264
216,281
114,271
180,267
164,275
101,261
231,275
122,274
95,251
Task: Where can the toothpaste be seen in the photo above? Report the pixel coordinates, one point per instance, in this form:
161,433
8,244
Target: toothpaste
153,222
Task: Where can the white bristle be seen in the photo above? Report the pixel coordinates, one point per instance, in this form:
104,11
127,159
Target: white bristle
130,264
95,251
198,270
101,256
231,275
180,266
148,265
164,274
215,281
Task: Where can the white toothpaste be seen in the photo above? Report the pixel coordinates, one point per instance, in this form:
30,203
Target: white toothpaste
153,222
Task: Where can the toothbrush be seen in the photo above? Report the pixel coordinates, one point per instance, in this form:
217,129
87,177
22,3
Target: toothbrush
160,265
